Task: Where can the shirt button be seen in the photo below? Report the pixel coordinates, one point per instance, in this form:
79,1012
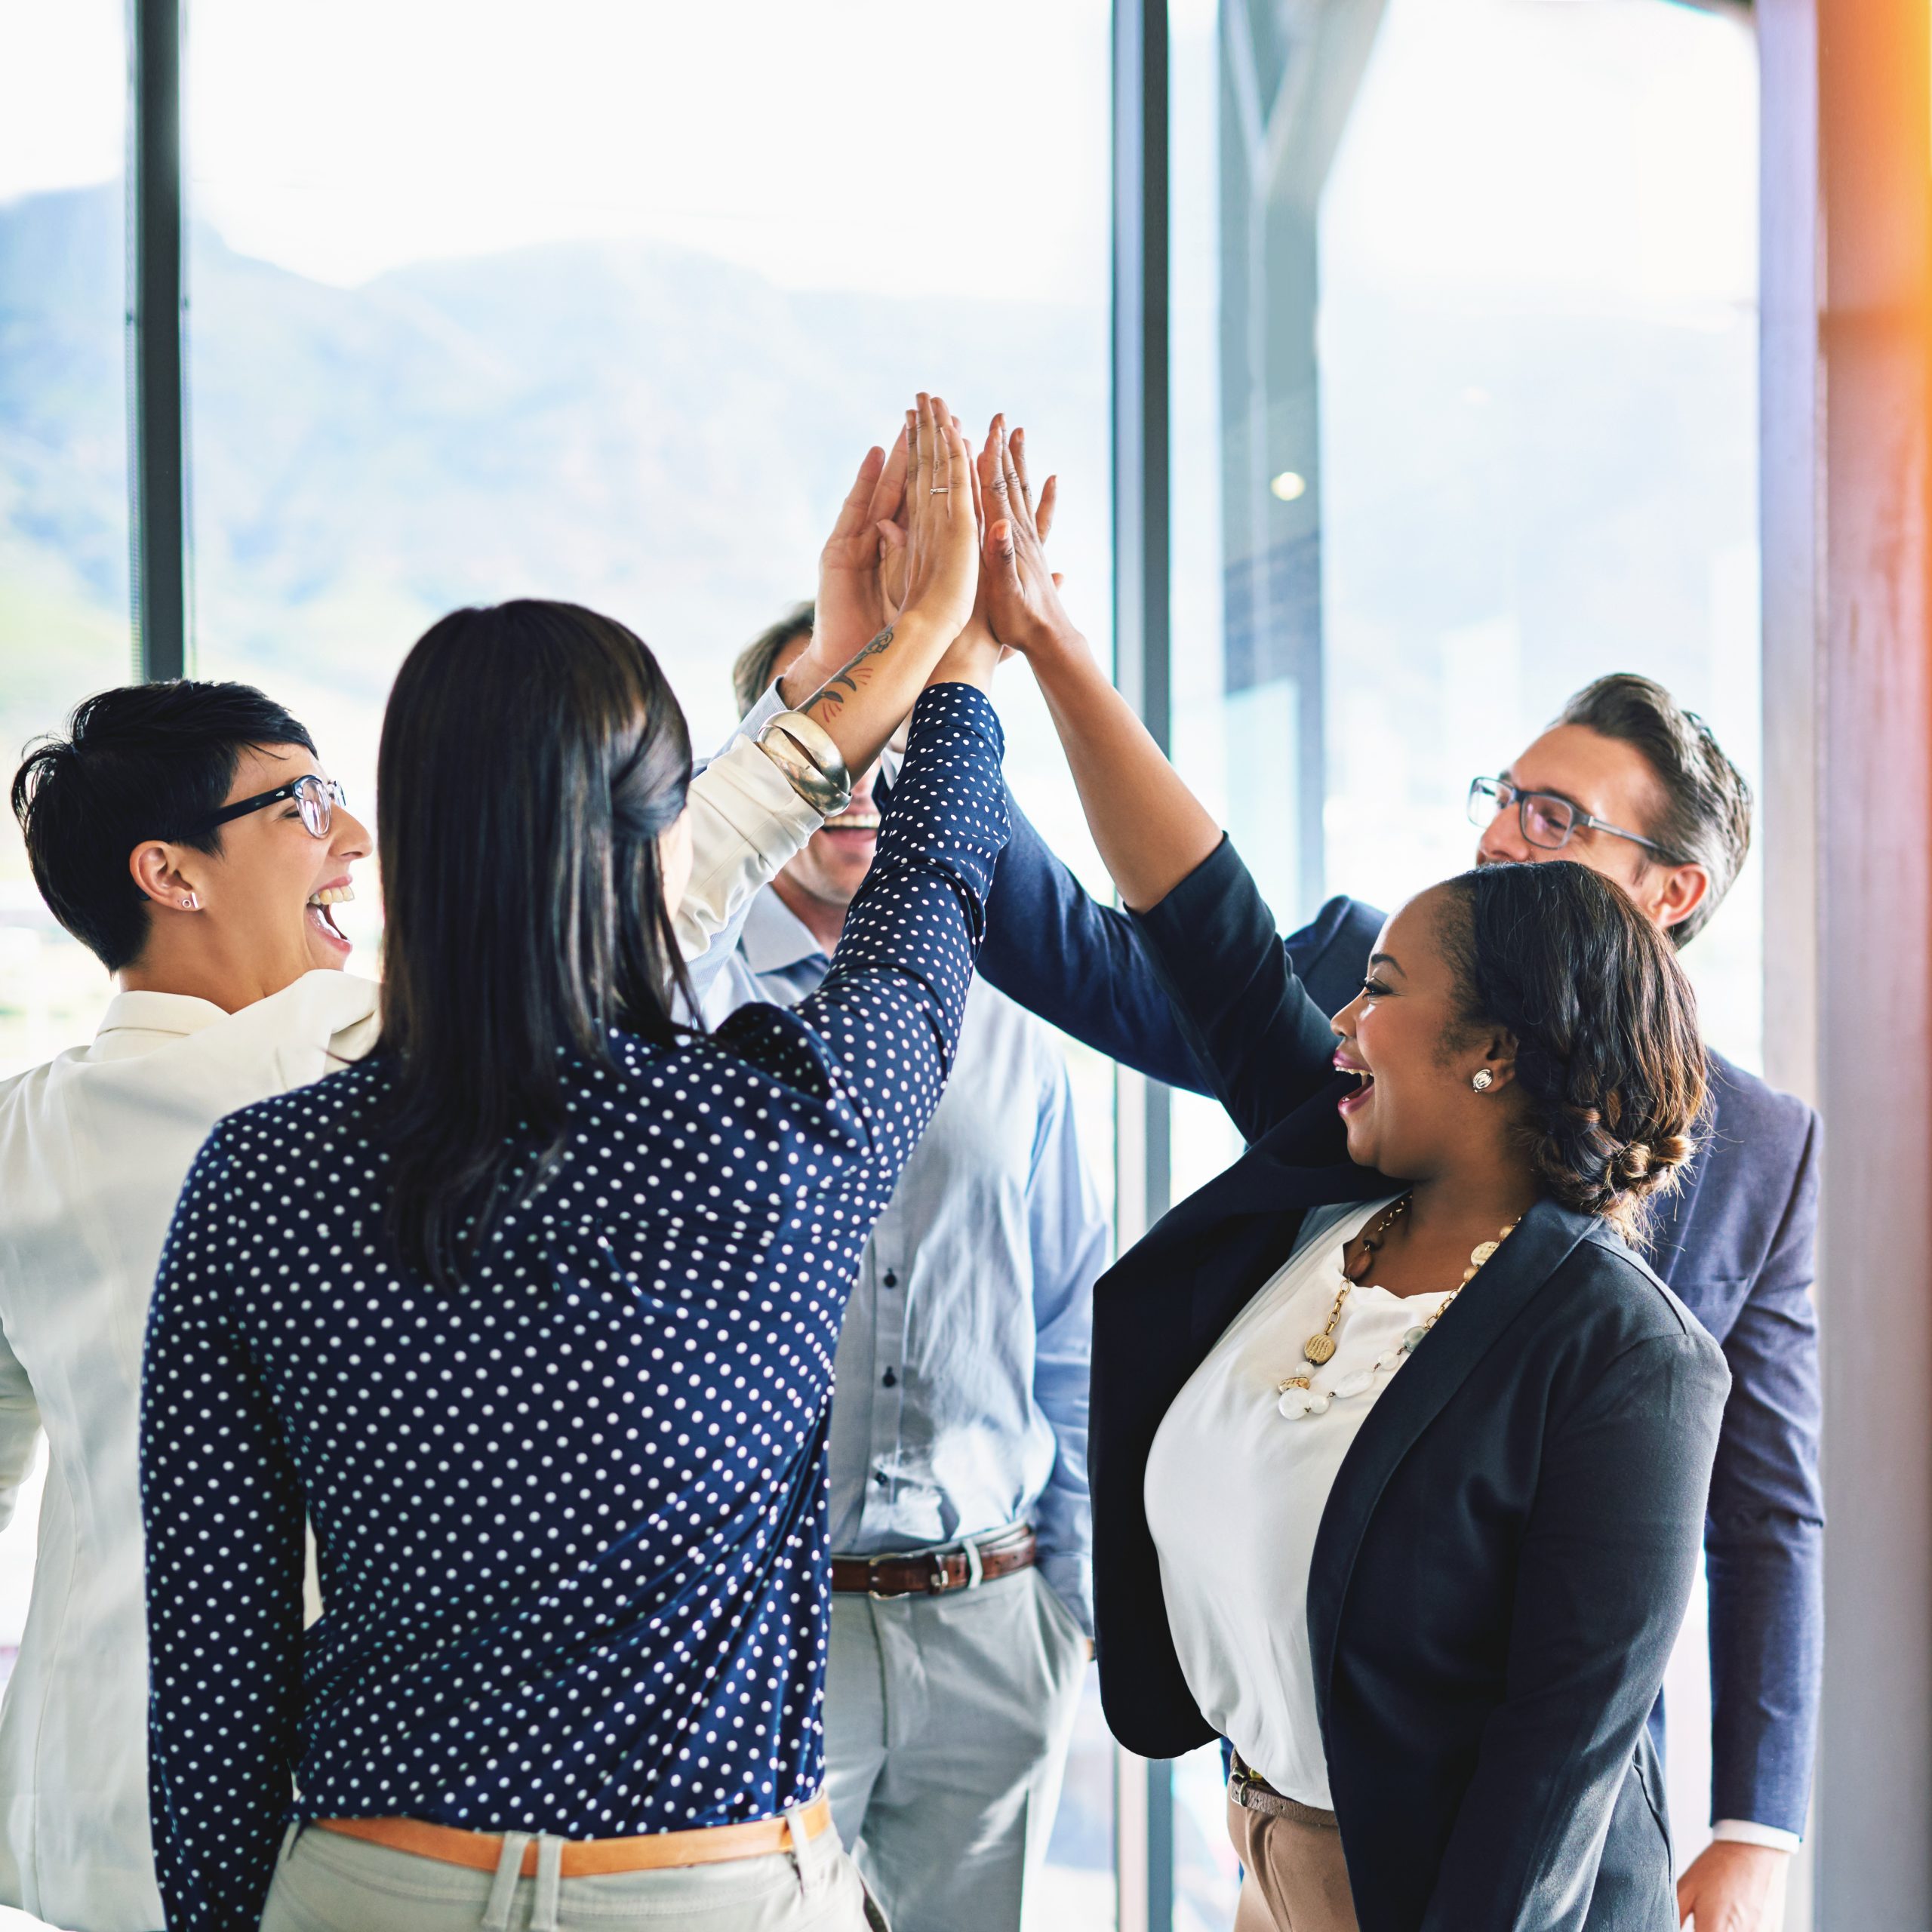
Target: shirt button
890,1279
892,1380
879,1477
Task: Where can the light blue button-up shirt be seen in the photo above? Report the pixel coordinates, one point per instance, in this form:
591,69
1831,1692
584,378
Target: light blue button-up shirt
961,1402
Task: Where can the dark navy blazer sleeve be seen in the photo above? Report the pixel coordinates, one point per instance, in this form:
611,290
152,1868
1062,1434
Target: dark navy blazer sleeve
1266,1046
1084,968
1081,966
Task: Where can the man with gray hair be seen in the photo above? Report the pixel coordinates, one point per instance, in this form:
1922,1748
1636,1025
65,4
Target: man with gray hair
1629,783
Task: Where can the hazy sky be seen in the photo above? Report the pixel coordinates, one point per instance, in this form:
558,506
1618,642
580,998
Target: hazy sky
897,145
853,143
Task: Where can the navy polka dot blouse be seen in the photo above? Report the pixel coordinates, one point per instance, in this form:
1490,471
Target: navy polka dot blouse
571,1518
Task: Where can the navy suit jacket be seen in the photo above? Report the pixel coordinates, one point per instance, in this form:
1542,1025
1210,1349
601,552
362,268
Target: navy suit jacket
1735,1246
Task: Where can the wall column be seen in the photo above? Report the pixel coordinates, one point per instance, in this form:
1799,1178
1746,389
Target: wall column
1846,451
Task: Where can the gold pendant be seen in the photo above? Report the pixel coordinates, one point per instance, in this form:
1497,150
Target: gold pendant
1317,1349
1483,1250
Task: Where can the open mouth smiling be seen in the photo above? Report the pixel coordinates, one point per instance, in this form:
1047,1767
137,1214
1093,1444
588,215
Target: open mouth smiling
1357,1097
322,917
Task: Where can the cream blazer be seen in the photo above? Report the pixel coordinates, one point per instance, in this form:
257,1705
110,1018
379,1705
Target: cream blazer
93,1149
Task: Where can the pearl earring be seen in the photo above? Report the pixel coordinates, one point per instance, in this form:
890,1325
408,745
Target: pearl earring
1484,1080
189,903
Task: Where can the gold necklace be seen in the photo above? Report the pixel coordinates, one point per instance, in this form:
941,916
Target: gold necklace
1320,1347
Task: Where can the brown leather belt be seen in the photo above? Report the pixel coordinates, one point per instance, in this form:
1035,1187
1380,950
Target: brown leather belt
589,1858
1253,1792
932,1573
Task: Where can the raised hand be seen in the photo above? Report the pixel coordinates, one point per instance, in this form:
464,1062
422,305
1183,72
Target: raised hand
1021,593
861,699
942,533
973,655
852,607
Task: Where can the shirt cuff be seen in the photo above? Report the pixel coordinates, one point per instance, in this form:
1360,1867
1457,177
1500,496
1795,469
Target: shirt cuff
1737,1830
745,822
755,719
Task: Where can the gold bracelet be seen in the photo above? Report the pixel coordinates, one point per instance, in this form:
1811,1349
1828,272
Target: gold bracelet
805,753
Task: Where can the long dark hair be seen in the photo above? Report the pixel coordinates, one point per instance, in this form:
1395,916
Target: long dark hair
532,753
1607,1051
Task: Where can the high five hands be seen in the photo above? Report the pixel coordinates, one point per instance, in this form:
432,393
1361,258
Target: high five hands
902,558
906,508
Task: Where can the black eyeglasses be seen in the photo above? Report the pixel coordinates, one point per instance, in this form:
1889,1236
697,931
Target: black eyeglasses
315,797
1548,820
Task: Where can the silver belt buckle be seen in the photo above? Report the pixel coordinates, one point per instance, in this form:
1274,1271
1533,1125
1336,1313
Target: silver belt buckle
938,1583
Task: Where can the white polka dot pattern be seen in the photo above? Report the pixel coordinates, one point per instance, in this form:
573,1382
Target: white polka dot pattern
572,1518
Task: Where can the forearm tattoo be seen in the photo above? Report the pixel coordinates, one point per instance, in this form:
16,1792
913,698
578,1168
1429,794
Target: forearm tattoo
829,700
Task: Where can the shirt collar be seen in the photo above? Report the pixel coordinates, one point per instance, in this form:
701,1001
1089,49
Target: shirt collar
321,999
775,937
147,1012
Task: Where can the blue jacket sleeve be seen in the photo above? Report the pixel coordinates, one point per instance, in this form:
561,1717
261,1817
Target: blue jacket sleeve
1085,968
1764,1537
1267,1046
1078,965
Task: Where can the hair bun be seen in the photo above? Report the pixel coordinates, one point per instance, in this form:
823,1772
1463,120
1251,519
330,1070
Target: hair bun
1631,1162
1673,1151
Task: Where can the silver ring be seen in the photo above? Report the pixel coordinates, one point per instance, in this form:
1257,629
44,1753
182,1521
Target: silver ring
945,491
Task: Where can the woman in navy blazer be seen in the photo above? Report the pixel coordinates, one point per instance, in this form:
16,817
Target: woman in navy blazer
1504,1552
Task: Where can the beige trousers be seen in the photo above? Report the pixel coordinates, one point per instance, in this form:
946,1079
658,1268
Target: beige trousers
327,1882
1296,1880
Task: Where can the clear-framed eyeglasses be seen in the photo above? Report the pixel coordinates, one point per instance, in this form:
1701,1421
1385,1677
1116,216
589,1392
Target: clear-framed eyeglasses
1548,820
315,797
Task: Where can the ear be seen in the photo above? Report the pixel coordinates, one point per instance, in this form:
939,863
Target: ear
1677,892
1498,1061
158,871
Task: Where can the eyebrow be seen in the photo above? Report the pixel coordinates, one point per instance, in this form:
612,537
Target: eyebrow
1376,959
1508,777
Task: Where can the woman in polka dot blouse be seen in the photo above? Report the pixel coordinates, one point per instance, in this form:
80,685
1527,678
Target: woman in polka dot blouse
534,1313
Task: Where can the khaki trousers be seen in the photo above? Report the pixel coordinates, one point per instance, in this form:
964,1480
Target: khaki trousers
947,1720
327,1882
1296,1880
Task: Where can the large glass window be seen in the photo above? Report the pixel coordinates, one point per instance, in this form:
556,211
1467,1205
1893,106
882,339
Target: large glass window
603,305
64,628
607,309
1465,396
606,305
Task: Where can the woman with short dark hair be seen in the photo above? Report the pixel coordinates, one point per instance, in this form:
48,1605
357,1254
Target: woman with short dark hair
535,1312
1400,1451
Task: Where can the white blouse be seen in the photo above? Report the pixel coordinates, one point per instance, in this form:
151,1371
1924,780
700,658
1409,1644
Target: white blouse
1235,1490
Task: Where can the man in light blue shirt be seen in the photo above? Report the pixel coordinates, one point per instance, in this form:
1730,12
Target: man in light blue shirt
962,1577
